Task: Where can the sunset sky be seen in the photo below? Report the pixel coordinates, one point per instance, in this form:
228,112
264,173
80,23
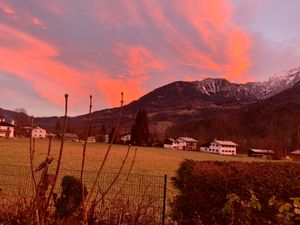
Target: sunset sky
103,47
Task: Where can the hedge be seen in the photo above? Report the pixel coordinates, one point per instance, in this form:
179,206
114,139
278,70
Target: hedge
204,187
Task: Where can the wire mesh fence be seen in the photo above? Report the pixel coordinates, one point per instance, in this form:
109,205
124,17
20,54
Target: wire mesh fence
130,193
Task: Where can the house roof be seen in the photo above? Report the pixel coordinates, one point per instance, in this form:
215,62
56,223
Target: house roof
225,142
296,152
38,128
3,123
188,139
263,151
69,135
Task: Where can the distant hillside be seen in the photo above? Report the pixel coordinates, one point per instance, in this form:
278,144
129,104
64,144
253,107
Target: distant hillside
182,102
170,105
271,124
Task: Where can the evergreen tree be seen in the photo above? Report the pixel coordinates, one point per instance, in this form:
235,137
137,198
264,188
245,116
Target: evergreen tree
58,126
140,129
103,129
111,134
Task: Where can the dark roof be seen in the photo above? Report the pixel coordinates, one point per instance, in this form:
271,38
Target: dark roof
69,135
262,151
3,123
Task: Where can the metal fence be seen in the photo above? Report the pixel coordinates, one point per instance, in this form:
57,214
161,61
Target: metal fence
130,192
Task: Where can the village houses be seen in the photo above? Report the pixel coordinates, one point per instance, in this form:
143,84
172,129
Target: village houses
261,153
126,138
181,143
38,132
220,147
6,129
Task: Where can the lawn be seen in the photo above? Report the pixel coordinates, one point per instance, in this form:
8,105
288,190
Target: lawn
150,161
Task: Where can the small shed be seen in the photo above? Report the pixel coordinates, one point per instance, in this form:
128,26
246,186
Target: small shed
295,155
260,153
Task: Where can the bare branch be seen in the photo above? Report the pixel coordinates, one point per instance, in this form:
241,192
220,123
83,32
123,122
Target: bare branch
60,152
84,151
106,155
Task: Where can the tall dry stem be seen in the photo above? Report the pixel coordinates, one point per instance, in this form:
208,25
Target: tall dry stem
60,153
88,130
89,196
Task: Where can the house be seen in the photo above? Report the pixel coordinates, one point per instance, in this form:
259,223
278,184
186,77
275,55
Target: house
126,138
70,136
220,147
260,153
171,143
6,129
91,139
38,132
187,143
295,155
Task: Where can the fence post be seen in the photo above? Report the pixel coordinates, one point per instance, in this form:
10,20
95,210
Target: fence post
164,200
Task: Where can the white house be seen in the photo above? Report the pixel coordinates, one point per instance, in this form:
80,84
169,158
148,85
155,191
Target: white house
220,147
187,143
6,129
181,143
171,143
126,138
38,132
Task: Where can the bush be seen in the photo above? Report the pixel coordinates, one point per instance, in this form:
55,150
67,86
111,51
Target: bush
203,188
71,197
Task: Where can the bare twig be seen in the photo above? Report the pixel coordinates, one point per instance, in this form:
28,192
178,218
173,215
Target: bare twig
4,207
60,153
117,175
31,156
88,199
128,174
84,151
49,146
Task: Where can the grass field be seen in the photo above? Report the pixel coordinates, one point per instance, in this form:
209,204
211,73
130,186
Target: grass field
152,161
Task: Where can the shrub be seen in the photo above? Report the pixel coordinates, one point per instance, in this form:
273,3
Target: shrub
203,188
71,197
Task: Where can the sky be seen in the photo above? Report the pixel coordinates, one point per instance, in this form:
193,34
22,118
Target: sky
103,48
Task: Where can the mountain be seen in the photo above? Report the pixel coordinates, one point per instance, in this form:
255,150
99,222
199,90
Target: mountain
171,104
275,84
271,123
180,102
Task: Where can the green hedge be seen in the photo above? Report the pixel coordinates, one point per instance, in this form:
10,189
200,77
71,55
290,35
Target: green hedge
203,187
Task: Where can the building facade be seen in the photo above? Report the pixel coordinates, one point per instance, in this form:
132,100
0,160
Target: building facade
220,147
7,129
38,132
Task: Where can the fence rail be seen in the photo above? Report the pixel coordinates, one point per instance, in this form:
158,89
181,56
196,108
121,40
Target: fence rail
130,191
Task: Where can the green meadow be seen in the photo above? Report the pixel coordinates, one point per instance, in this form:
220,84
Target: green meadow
151,161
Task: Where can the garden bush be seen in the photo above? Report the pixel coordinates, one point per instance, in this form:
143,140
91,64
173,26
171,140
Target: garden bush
204,188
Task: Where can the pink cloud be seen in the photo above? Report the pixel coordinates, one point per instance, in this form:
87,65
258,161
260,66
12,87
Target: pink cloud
6,9
138,59
35,61
37,22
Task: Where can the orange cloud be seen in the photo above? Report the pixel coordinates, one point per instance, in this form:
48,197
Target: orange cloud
37,22
212,21
226,46
138,59
34,60
6,9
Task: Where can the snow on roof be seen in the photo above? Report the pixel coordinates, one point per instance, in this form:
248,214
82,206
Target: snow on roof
262,151
171,139
225,142
188,139
296,152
